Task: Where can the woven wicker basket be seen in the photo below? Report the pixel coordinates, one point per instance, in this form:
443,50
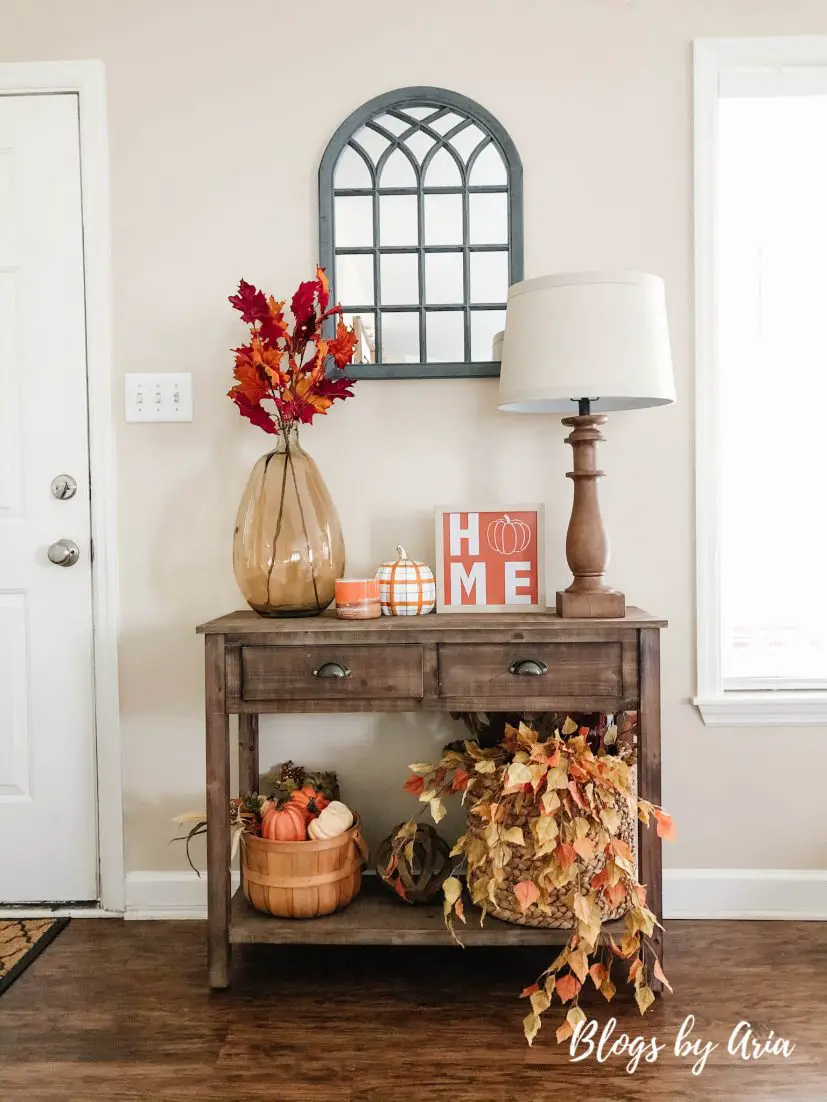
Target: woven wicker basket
521,866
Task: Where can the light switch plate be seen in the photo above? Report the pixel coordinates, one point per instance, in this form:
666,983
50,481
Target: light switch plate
162,397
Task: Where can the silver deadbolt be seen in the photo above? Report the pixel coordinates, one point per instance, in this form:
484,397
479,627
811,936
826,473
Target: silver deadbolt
64,487
64,553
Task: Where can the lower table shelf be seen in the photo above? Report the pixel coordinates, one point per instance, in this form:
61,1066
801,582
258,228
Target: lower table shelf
377,917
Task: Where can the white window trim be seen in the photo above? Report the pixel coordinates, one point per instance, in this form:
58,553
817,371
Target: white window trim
88,80
721,62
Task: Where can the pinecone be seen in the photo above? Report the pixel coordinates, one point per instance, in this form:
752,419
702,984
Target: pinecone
292,774
285,776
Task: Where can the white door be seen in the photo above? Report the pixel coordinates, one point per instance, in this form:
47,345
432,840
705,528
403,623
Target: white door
48,841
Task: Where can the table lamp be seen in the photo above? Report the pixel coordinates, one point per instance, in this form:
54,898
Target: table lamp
594,342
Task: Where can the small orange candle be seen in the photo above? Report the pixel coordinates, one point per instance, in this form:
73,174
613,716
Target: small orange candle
357,599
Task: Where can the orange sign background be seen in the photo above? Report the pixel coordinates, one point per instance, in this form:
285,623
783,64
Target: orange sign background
490,558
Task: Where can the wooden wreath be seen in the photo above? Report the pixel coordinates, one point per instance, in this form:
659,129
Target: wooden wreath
417,871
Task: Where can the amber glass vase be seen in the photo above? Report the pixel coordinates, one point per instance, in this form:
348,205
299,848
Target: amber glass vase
288,548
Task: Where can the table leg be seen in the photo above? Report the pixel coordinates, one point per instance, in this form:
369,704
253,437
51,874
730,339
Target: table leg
649,784
247,753
218,814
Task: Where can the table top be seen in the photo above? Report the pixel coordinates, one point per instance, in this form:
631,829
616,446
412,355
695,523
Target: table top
248,622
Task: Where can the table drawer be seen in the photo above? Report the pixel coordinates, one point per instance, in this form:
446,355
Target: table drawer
331,672
522,670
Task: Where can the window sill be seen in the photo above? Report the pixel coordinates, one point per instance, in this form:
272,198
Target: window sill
763,709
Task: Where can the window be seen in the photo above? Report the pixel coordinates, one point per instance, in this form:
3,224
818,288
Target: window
420,214
761,349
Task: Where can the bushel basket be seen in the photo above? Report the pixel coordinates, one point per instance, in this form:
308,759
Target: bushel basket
521,866
303,879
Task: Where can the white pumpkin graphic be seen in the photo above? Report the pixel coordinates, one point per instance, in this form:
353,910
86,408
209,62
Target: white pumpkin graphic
507,536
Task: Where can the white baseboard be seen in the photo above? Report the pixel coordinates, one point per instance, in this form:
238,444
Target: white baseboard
782,894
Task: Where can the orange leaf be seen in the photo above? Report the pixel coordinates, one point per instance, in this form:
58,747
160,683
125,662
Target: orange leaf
584,847
565,854
527,991
599,974
460,910
564,1032
577,796
660,976
621,848
640,891
615,893
666,828
527,893
635,969
343,345
460,781
567,987
414,785
600,879
400,890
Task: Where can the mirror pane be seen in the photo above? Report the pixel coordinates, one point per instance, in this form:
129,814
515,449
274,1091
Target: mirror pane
488,218
364,325
467,140
489,277
374,144
419,112
399,279
389,122
445,336
419,144
397,171
353,220
443,219
446,122
443,278
488,168
400,338
398,223
442,171
351,170
354,280
484,324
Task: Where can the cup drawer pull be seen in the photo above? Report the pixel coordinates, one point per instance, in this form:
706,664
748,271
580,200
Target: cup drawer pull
528,667
332,669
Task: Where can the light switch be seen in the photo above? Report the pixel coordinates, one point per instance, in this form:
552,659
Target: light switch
163,397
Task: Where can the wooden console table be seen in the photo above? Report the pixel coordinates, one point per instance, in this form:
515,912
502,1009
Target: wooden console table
501,662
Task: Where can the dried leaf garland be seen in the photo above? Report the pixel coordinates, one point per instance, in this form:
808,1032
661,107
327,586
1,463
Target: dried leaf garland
577,794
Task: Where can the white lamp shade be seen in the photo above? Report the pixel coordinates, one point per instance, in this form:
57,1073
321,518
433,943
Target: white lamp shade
597,335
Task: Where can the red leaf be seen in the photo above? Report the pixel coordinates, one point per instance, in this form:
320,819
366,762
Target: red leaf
254,413
274,326
460,781
565,854
414,785
250,302
302,304
527,991
567,986
666,828
400,890
343,345
527,893
334,388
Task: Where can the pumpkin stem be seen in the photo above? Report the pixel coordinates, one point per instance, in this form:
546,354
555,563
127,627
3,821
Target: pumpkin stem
403,554
506,518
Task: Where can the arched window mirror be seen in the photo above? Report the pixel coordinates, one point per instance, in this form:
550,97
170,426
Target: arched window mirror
421,231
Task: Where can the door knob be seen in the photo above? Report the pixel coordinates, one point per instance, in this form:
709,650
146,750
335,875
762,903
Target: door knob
64,553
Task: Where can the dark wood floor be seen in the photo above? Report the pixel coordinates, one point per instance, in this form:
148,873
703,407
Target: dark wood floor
121,1010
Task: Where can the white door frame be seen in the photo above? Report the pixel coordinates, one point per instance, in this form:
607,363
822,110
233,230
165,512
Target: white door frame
88,80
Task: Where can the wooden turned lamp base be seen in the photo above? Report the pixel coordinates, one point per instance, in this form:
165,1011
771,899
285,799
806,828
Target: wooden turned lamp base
587,542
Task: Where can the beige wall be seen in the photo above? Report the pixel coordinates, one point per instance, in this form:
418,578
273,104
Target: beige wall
219,114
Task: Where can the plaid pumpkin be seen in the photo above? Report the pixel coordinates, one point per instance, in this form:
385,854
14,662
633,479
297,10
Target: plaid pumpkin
406,587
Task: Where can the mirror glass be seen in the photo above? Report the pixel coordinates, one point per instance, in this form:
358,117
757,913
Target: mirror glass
467,140
372,142
354,280
353,216
484,324
398,223
364,326
488,219
489,277
399,279
351,170
488,170
445,336
397,171
442,171
392,123
400,337
445,122
419,143
443,278
443,219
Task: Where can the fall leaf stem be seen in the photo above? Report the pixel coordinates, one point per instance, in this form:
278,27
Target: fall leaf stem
304,525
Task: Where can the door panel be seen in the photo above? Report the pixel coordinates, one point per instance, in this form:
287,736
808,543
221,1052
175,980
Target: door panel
47,766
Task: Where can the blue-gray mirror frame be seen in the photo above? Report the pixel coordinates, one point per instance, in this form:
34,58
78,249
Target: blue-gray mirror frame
443,101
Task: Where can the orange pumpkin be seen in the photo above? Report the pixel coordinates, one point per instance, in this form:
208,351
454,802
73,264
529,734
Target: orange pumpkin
284,824
311,800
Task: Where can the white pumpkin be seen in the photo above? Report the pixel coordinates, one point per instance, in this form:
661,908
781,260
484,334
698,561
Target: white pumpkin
406,586
332,821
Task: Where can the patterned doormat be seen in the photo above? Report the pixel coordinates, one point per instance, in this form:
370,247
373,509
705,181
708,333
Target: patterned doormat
22,940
